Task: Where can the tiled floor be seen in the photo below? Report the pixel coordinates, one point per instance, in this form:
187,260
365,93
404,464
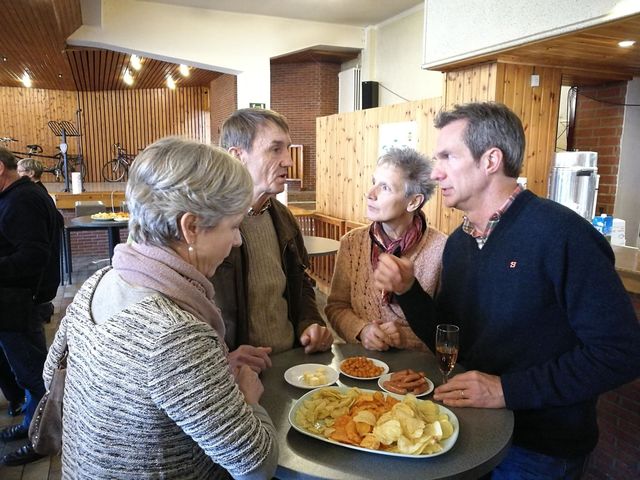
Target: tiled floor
47,468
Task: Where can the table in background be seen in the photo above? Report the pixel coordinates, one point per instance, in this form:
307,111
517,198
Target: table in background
87,223
319,246
485,434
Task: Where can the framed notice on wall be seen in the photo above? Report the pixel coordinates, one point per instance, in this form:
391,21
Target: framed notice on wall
398,135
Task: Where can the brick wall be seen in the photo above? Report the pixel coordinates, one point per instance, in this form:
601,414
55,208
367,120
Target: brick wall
302,92
598,128
617,455
223,95
90,243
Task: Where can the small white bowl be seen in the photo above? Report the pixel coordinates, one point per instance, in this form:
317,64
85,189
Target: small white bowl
295,375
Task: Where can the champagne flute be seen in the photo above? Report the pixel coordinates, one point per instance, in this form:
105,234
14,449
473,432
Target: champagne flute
447,348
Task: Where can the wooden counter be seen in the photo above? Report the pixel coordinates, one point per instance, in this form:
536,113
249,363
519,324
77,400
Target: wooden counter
628,267
111,194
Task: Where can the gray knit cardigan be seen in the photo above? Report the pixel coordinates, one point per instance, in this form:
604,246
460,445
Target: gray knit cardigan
149,394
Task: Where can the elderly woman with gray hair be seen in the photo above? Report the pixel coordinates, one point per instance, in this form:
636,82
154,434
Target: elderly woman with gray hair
149,392
356,310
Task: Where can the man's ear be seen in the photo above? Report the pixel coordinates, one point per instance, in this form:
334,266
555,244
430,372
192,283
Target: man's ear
235,152
415,203
494,159
188,226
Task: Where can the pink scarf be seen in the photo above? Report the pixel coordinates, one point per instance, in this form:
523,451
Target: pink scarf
381,243
162,270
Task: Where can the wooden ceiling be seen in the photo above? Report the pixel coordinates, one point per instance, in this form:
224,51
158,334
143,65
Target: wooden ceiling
33,39
34,34
590,56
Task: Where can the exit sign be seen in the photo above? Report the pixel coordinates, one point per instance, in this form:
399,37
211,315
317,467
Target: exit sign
258,105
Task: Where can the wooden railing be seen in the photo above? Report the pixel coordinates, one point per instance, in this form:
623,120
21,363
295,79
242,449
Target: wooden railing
320,225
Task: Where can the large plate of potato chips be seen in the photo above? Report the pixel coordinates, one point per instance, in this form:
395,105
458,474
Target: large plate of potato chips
373,421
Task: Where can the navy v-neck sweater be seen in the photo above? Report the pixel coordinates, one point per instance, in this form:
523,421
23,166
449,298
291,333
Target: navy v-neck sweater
541,306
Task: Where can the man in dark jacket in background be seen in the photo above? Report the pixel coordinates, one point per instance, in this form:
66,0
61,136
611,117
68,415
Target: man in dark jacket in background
29,270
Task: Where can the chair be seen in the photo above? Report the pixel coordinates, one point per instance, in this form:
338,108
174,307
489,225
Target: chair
89,207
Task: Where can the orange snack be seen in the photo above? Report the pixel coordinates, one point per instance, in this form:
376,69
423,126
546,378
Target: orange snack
361,367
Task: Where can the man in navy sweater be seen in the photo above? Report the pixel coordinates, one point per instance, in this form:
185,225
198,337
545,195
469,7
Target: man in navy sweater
545,322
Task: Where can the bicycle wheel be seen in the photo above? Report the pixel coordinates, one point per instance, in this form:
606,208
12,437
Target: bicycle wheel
113,171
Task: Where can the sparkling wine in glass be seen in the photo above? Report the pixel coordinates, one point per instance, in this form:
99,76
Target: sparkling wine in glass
447,348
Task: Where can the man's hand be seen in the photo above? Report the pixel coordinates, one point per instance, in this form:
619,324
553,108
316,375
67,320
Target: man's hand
393,274
471,389
316,338
256,358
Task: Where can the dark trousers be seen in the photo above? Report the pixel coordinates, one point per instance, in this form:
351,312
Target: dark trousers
26,353
13,392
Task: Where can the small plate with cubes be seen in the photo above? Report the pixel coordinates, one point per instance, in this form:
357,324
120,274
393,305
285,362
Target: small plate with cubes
311,375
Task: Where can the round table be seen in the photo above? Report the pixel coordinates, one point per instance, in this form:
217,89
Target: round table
87,223
318,246
485,434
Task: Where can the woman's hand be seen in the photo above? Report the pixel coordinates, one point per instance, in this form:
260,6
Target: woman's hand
394,336
316,338
249,384
373,337
256,358
471,389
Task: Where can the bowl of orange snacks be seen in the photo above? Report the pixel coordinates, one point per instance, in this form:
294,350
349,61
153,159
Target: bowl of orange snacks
363,368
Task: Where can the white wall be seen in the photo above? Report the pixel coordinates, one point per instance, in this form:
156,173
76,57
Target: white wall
215,40
627,205
399,58
392,56
459,29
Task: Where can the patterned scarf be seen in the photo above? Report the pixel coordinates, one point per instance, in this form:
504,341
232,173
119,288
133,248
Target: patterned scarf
162,270
381,243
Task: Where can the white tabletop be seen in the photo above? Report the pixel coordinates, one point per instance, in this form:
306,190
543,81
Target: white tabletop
317,246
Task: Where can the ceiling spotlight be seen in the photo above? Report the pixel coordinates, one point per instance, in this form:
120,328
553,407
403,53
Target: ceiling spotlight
626,43
171,83
127,77
26,80
4,59
136,62
59,75
184,70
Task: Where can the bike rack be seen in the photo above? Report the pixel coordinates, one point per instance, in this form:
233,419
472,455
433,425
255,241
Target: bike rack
64,129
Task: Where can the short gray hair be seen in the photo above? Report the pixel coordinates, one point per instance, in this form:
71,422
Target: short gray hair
32,165
239,130
174,176
416,168
489,125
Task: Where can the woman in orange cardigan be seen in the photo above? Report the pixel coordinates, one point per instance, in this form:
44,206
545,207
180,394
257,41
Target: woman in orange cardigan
359,313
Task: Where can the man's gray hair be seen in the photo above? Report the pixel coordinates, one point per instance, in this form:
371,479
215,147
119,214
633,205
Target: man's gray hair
32,165
416,169
489,125
239,130
174,176
8,159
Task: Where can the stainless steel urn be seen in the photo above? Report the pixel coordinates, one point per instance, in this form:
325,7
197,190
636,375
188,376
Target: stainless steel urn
573,181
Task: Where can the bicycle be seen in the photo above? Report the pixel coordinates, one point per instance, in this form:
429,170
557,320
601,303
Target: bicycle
116,169
74,162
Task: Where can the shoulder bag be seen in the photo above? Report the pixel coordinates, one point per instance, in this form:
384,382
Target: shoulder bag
45,430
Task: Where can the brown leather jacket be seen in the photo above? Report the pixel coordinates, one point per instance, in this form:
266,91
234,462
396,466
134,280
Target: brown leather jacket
230,282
